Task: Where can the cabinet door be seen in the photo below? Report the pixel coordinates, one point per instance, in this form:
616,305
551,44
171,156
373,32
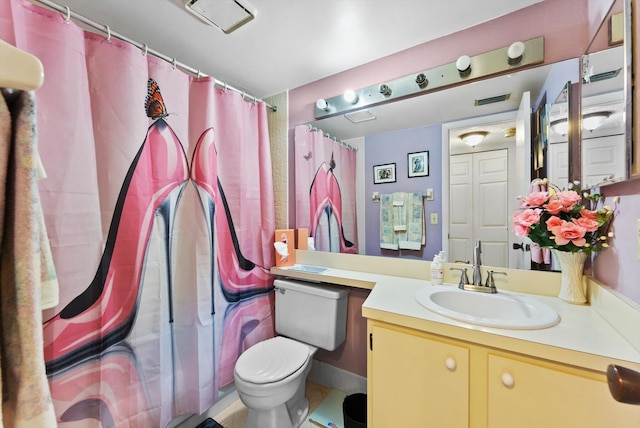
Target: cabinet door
417,381
531,394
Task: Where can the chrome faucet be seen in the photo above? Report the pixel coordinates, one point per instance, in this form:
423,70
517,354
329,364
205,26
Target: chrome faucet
476,285
477,263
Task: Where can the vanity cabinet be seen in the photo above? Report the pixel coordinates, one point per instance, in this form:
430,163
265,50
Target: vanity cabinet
418,379
415,380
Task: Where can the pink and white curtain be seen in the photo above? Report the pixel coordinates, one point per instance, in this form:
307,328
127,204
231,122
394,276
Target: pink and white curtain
160,211
325,177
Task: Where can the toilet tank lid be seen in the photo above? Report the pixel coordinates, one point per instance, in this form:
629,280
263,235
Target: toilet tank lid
271,360
323,290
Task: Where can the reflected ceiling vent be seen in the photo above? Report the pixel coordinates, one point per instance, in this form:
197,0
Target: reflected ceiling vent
227,15
491,100
360,116
602,76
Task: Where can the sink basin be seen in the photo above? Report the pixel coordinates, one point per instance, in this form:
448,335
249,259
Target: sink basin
502,310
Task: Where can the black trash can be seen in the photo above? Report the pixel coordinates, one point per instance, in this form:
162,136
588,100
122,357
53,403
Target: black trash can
354,411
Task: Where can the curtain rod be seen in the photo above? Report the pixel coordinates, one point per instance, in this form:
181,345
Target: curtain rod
329,136
67,13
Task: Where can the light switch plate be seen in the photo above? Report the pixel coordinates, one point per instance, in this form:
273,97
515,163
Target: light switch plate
429,195
434,218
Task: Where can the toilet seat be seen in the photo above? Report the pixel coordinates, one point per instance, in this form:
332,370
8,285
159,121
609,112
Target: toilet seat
271,360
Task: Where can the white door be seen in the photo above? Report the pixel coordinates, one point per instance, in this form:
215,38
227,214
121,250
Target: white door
461,203
558,154
602,158
491,208
519,258
479,206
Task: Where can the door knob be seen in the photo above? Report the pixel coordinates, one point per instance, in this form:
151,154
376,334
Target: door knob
523,247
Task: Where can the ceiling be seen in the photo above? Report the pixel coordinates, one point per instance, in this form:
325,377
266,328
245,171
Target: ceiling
290,42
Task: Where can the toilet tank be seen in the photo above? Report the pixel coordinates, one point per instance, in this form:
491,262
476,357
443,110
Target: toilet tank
315,314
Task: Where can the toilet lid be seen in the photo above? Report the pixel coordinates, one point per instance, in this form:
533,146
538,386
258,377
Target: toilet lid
271,360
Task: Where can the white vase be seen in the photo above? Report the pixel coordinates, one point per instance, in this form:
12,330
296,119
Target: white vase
572,267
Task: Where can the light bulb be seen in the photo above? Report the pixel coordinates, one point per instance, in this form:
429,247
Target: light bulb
350,96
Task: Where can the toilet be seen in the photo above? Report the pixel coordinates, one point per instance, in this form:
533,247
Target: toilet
270,376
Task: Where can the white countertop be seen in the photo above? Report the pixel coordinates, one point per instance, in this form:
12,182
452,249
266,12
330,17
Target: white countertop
582,337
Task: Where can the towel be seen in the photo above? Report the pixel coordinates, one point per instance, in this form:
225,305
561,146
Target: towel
387,234
27,276
414,236
402,221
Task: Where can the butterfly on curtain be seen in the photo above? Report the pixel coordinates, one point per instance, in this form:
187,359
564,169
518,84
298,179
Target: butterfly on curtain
154,104
308,156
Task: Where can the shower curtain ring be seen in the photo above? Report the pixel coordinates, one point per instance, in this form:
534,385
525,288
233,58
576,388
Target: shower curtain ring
198,75
146,50
225,86
67,15
174,63
108,33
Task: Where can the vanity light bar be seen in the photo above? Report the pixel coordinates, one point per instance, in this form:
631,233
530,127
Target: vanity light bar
480,66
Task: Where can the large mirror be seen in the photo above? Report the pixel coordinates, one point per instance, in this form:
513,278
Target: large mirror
606,122
462,109
462,213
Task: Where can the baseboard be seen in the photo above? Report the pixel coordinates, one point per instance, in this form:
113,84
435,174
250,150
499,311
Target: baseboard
334,377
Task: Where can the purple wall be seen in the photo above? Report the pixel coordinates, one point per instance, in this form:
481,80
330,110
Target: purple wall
393,147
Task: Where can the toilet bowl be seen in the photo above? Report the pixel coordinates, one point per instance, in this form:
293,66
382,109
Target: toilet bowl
270,376
270,380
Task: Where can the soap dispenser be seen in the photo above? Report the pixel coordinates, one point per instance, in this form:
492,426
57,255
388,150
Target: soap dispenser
437,275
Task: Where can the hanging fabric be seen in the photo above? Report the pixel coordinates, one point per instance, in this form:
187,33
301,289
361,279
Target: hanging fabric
159,204
27,276
325,173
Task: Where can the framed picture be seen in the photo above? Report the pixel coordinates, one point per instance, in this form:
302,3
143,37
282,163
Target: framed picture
384,173
418,164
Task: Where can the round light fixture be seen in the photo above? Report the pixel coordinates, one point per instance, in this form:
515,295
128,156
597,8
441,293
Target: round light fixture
591,121
560,126
350,96
473,138
422,80
384,90
322,104
463,64
515,52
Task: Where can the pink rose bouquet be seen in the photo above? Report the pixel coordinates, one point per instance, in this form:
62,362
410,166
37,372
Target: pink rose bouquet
564,220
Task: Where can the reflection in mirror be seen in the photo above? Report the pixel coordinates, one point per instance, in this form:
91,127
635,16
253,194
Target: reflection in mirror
386,140
606,97
604,145
557,154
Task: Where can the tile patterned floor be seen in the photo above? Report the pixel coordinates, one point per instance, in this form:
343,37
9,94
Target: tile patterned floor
235,416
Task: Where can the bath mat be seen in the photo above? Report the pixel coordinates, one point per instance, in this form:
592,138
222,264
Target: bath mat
329,413
209,423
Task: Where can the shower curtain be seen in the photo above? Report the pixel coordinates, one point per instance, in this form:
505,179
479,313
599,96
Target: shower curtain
325,172
160,211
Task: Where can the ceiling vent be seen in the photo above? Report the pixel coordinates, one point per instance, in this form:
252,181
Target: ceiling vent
491,100
602,76
360,116
227,15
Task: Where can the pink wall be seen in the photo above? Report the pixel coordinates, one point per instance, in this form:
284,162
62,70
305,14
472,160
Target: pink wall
619,266
566,26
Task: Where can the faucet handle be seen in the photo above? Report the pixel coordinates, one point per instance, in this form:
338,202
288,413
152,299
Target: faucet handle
490,281
464,278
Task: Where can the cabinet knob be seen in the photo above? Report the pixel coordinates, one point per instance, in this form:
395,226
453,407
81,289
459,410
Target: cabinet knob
507,380
451,364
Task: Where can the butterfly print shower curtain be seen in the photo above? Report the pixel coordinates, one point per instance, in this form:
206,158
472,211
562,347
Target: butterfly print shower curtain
159,206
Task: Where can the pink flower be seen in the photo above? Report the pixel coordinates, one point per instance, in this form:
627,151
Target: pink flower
535,199
554,221
522,221
593,215
589,224
569,232
554,206
569,198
